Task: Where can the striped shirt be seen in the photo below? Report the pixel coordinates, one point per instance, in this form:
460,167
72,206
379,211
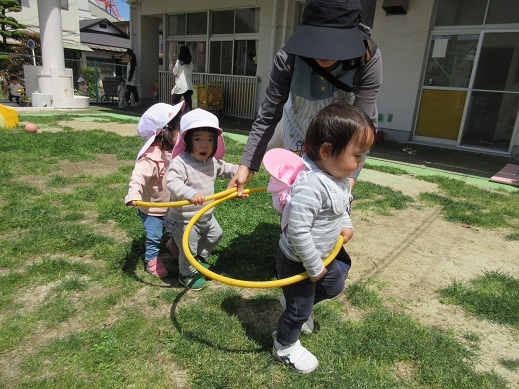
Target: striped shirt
186,177
313,225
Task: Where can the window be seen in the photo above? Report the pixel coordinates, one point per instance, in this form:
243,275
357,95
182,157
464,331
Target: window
188,24
460,12
197,50
233,39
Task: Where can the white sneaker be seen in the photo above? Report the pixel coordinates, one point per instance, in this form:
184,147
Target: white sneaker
308,326
294,356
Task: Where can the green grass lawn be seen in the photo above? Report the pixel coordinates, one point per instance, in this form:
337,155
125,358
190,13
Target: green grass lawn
78,311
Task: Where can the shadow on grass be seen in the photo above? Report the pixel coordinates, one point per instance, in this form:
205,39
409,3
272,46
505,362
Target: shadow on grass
250,256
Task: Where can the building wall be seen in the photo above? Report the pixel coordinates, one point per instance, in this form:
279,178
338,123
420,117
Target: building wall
403,41
266,46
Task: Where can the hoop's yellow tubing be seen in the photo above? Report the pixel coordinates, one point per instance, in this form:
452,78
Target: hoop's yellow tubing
185,202
233,281
181,203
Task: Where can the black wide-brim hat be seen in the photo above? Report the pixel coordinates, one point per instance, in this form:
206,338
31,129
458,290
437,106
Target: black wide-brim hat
329,30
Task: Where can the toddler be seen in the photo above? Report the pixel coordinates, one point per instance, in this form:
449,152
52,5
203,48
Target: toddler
121,93
15,89
159,125
191,176
313,194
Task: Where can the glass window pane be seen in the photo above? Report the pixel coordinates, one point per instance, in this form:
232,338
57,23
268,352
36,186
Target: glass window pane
197,50
247,20
497,67
197,23
490,120
450,61
215,59
177,24
223,22
503,11
226,63
245,58
460,12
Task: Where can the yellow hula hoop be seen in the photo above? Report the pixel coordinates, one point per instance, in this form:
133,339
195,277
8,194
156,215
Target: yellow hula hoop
223,196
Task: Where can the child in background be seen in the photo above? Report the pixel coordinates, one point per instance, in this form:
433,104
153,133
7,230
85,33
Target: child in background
160,126
314,213
191,176
15,89
121,93
83,87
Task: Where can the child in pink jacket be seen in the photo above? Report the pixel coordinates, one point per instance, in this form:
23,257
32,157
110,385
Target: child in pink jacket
160,125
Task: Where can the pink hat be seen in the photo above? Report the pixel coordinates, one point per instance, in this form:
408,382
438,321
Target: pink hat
283,167
154,120
199,118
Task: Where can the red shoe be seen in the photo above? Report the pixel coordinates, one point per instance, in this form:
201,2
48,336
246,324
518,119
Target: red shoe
156,268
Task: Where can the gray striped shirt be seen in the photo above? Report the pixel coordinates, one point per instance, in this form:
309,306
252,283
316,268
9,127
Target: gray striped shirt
186,177
313,226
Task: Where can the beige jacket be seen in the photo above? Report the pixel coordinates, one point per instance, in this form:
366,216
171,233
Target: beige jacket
148,181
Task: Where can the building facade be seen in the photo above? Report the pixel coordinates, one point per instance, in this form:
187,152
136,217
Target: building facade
451,67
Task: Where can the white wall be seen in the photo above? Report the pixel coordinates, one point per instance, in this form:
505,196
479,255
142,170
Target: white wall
403,41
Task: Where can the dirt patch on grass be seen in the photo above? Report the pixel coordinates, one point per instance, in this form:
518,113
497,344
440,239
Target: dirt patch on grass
414,252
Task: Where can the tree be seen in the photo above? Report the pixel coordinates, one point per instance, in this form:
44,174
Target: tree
9,26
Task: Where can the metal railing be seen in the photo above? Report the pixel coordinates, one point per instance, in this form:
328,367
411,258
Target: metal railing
239,91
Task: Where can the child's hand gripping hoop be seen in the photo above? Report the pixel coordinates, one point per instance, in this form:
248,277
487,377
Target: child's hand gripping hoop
218,198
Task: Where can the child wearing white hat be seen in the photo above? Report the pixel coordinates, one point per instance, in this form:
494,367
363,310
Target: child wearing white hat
191,176
159,125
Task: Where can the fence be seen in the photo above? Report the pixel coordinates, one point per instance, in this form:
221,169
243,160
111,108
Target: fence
93,71
239,91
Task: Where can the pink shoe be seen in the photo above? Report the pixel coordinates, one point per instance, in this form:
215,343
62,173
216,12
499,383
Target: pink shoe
172,246
156,268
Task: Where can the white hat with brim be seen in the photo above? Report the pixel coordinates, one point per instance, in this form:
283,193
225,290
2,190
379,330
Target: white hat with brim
154,120
199,118
80,79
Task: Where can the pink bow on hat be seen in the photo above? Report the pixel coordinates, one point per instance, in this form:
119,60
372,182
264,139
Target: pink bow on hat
283,167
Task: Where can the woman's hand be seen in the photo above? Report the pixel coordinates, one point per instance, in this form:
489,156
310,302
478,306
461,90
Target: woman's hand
239,179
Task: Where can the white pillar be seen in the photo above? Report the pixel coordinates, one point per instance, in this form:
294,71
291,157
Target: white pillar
51,33
55,83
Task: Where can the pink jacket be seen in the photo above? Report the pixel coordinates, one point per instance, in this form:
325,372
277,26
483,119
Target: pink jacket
148,181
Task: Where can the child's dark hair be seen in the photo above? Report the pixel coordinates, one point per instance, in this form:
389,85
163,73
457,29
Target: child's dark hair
13,78
184,55
173,125
188,139
337,124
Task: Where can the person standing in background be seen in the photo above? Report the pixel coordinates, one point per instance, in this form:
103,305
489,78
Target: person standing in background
132,79
182,70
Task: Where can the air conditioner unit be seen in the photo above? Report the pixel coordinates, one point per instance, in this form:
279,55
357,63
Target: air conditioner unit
395,7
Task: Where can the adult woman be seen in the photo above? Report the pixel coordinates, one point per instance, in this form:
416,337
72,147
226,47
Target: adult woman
132,80
182,70
329,57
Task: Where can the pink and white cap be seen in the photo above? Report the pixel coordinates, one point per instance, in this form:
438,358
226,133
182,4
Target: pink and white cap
283,167
199,118
154,120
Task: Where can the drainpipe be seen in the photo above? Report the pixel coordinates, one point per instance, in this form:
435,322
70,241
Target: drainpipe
273,48
285,24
